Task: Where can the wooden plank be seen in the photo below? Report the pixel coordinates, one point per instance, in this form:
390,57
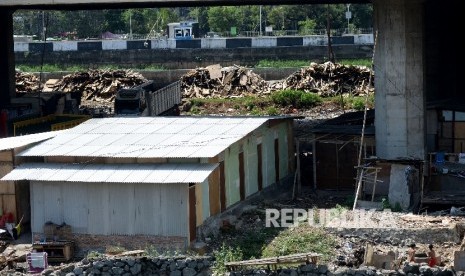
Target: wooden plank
7,188
459,130
9,205
214,192
290,148
222,187
5,168
241,176
192,214
6,156
151,160
198,204
276,159
120,160
23,203
260,167
61,159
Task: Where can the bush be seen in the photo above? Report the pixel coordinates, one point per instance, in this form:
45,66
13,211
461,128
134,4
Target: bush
300,240
197,102
272,111
223,255
295,98
358,104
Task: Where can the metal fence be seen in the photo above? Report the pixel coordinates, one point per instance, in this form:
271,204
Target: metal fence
334,32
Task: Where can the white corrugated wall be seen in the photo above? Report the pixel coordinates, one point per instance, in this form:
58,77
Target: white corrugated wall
111,208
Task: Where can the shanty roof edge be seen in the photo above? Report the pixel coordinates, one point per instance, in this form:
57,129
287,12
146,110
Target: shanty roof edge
113,173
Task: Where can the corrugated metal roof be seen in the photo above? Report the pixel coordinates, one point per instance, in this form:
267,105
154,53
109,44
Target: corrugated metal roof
149,137
19,141
113,173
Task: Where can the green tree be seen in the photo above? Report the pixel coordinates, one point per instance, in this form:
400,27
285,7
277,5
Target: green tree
307,27
200,15
362,15
114,21
221,19
135,21
277,17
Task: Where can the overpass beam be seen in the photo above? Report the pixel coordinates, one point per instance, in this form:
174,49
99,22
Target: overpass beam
7,58
399,74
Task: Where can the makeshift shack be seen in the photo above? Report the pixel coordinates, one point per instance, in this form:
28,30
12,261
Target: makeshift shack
446,153
152,180
14,195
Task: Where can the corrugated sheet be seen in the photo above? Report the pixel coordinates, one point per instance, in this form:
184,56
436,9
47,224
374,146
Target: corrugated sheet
19,141
113,173
96,208
145,137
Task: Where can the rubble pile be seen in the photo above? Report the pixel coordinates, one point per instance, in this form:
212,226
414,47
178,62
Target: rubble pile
27,82
328,79
214,82
99,85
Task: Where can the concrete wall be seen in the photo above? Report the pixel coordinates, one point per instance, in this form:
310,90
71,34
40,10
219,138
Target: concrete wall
259,42
399,99
186,58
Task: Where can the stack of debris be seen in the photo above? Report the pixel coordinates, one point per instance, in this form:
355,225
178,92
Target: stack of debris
99,85
27,83
328,79
214,81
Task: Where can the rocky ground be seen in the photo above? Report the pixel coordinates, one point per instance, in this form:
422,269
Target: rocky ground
398,231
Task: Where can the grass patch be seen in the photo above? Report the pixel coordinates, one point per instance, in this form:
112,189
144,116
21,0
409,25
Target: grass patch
114,250
301,239
353,102
257,241
223,255
77,68
296,98
94,255
265,63
243,105
360,62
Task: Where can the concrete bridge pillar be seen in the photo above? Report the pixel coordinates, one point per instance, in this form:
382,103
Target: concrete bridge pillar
400,97
7,58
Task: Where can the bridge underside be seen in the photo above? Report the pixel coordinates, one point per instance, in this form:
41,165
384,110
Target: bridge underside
119,4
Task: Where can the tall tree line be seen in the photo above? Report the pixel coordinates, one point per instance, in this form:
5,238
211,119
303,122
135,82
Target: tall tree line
92,23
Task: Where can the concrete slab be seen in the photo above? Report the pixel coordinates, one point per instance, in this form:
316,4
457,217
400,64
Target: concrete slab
459,260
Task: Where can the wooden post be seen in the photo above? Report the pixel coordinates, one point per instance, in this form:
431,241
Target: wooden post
314,163
374,185
299,179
